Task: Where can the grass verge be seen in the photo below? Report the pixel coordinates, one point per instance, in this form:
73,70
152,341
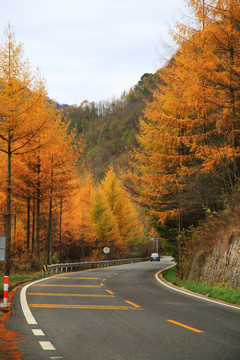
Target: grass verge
17,279
220,292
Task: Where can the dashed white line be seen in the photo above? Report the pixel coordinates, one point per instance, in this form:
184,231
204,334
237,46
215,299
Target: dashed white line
38,332
46,345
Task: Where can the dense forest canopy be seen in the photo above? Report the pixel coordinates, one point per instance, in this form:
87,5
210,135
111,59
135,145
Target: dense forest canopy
152,163
109,128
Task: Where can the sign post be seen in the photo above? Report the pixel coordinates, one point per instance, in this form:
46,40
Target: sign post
44,270
106,250
152,238
5,278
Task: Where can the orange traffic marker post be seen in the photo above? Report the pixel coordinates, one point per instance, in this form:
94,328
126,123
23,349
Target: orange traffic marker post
5,290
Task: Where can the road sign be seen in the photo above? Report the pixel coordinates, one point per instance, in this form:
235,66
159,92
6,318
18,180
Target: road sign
106,250
45,268
2,247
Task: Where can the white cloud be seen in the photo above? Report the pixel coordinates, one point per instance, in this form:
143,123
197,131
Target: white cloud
90,49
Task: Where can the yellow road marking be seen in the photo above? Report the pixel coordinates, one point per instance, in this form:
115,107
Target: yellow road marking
82,295
56,285
131,303
101,284
115,273
185,326
81,278
109,276
103,279
92,307
110,292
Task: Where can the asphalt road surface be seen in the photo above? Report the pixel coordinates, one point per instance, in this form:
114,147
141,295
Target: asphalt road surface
121,313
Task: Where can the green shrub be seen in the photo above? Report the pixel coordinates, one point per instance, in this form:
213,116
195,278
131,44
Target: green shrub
219,292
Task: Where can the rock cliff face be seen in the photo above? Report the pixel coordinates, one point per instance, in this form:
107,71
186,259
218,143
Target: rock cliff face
222,265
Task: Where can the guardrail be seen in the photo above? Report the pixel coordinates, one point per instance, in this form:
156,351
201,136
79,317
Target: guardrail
90,265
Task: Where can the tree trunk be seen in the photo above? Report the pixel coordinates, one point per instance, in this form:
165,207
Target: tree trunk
28,223
33,227
49,236
8,215
49,228
38,209
60,231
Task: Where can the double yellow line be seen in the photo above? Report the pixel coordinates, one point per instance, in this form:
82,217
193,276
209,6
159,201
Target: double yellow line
92,307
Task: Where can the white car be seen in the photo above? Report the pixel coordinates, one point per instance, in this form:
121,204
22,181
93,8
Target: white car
155,257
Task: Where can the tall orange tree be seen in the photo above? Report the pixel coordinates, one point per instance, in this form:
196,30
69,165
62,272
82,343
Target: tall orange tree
210,64
105,229
130,230
162,152
192,124
78,225
29,170
62,156
21,92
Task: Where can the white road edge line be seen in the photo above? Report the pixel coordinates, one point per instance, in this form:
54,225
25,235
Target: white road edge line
25,308
188,292
23,300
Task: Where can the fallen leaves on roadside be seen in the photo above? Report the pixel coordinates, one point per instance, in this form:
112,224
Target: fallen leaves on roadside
8,338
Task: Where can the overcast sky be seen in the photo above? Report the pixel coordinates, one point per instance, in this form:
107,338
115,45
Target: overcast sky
91,49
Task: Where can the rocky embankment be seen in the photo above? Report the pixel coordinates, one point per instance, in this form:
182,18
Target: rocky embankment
221,265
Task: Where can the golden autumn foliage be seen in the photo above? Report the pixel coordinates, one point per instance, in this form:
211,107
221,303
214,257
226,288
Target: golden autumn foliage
106,232
39,158
191,127
76,217
51,208
124,211
21,97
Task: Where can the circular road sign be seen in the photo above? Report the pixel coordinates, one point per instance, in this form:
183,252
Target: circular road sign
106,250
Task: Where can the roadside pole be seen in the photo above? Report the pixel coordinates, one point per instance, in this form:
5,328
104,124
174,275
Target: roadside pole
6,278
155,239
5,290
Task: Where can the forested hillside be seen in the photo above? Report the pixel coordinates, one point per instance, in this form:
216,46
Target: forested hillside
109,128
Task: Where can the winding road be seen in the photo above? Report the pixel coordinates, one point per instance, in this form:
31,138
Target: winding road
121,313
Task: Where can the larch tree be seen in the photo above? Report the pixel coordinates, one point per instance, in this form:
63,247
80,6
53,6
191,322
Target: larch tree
84,222
77,217
62,156
105,228
161,153
20,94
210,61
191,126
124,211
27,174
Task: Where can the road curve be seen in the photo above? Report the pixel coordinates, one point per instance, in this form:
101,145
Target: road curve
121,313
